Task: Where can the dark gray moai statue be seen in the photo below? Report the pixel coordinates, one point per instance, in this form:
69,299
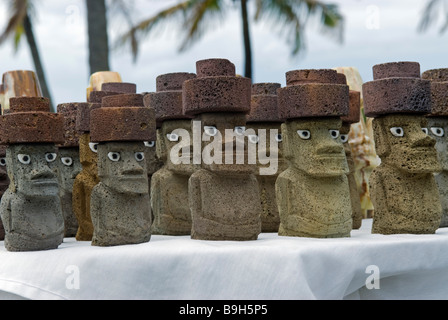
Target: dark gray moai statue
69,165
169,185
403,188
120,205
224,195
30,209
438,129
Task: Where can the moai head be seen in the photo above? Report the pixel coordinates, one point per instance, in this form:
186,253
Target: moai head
19,83
399,99
167,103
220,101
30,131
120,127
313,103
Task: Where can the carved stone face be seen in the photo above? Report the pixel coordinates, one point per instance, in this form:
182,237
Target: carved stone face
314,146
33,169
438,129
153,163
122,167
88,154
401,143
69,166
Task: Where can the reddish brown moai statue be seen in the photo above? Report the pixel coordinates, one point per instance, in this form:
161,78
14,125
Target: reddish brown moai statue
169,184
224,194
404,190
313,103
266,124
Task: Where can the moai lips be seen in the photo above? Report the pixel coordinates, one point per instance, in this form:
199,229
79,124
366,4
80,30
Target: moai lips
224,196
318,164
404,190
169,184
120,204
30,208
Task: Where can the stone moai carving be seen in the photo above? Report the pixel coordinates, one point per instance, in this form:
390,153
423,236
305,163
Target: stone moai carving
120,204
264,117
30,209
438,129
4,184
169,185
403,188
313,194
69,165
88,178
19,83
224,195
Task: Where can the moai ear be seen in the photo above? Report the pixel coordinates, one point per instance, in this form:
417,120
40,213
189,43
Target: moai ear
161,151
287,154
380,133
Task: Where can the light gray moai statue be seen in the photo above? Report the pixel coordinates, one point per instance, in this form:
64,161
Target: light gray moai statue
264,120
120,204
224,195
438,129
169,185
403,188
313,194
30,209
69,166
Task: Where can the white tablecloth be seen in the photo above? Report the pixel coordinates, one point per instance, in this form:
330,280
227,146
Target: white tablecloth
271,268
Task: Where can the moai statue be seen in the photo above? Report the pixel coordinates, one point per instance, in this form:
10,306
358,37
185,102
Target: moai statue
120,204
19,83
30,209
69,165
438,129
264,116
88,178
169,185
224,195
4,184
403,188
313,194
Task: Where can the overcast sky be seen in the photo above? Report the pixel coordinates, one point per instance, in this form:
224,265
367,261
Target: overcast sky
376,31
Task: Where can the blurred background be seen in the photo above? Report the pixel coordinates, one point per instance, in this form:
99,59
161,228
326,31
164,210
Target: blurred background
263,38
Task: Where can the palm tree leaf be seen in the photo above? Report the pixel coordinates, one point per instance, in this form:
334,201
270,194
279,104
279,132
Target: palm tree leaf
18,10
429,16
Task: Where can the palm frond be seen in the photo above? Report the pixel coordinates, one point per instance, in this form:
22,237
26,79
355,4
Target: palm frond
18,11
430,15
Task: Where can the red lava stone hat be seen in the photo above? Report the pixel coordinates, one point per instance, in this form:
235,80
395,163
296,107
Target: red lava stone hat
264,103
439,91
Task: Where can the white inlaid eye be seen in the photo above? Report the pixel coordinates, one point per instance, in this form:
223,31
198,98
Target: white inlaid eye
51,157
150,144
425,130
279,138
240,131
67,161
173,137
304,134
2,162
397,131
344,138
438,132
253,139
93,147
24,159
139,156
334,134
210,131
114,156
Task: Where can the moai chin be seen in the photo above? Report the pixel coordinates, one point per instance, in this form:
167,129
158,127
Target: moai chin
69,164
88,178
313,194
169,185
438,129
224,195
403,187
120,204
264,120
30,209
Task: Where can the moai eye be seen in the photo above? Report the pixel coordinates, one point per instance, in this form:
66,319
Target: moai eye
150,144
240,130
51,157
139,156
93,147
24,159
67,161
2,162
304,134
253,138
425,130
334,134
114,156
173,137
211,131
397,132
344,138
279,138
438,132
